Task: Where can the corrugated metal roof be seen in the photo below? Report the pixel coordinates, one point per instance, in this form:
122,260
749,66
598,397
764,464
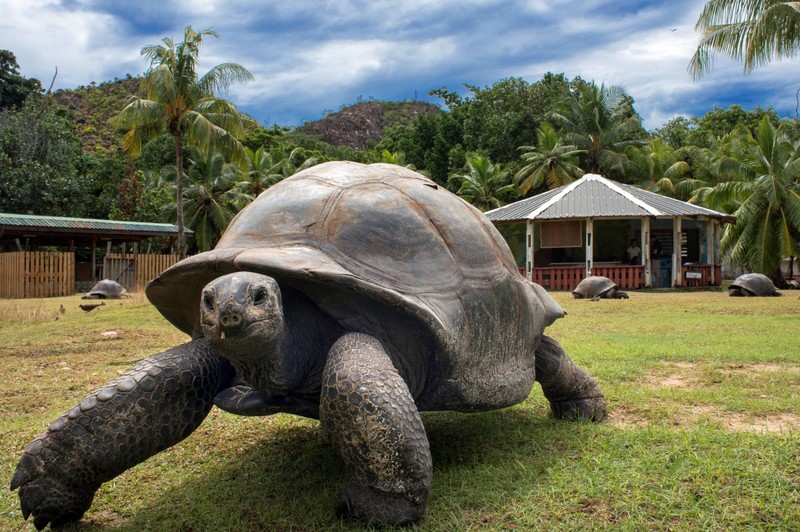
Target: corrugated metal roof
594,196
84,224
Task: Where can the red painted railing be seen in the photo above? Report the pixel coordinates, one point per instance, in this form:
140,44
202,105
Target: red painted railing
689,275
626,276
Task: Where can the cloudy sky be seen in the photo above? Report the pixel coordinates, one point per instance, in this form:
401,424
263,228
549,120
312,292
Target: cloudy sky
312,56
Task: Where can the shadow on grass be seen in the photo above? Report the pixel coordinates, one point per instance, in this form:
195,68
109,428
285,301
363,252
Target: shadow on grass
291,477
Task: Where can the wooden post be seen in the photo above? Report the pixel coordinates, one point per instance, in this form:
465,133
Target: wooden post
529,250
94,258
648,267
589,246
105,260
677,248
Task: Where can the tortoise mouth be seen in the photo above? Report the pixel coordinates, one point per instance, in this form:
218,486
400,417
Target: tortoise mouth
249,341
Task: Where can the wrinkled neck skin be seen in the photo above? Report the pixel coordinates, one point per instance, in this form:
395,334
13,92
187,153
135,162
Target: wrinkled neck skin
243,317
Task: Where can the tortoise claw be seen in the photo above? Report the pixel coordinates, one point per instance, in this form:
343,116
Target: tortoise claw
44,494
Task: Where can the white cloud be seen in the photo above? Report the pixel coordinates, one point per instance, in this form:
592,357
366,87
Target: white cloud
308,55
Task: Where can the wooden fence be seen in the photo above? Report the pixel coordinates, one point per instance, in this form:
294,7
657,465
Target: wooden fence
27,274
134,271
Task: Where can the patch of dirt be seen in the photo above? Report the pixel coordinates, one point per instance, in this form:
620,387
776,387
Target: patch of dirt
783,422
623,417
682,379
737,422
763,368
683,375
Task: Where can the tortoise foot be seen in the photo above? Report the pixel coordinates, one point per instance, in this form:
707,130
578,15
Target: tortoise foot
380,508
46,496
587,409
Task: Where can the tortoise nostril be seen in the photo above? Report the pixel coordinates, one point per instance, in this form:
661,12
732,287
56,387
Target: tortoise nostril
231,320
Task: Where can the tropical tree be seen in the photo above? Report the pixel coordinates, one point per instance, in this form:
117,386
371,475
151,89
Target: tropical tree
763,184
269,166
552,162
661,168
14,88
211,197
40,159
601,122
752,32
179,102
485,185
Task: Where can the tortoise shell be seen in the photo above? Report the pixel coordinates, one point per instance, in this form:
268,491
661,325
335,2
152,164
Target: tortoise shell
757,284
387,252
593,286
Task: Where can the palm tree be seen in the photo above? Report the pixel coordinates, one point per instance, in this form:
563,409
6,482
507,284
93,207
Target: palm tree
661,168
485,185
763,172
267,167
753,32
601,122
211,198
551,162
185,106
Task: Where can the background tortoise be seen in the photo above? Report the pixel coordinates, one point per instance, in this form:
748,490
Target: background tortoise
355,294
106,289
596,287
752,284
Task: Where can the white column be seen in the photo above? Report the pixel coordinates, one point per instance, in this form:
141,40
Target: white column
711,243
529,250
589,246
648,267
676,252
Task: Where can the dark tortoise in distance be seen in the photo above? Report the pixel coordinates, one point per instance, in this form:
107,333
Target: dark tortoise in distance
597,287
358,295
752,284
106,289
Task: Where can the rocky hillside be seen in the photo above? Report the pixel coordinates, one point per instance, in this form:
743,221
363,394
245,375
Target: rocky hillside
364,123
93,107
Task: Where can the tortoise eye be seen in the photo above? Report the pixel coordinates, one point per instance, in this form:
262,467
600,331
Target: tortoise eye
208,301
260,296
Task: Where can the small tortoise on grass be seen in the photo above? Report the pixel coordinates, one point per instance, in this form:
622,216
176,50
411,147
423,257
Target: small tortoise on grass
358,295
106,289
752,284
597,287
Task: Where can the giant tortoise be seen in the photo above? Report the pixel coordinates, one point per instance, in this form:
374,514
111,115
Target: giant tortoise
752,284
597,287
106,289
358,295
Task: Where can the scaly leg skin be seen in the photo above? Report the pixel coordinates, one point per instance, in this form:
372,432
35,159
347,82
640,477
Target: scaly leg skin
153,406
367,410
572,393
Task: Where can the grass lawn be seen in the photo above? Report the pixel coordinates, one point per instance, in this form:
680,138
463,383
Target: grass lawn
704,419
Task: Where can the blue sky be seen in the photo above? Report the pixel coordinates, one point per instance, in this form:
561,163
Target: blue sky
309,56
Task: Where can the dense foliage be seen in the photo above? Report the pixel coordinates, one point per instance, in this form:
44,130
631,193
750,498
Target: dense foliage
60,155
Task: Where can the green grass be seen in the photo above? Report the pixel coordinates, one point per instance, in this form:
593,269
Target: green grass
704,404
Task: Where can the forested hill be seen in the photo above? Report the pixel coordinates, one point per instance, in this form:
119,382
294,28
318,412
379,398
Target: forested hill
93,107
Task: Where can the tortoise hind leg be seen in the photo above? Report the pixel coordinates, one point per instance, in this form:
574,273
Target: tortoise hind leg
370,415
572,393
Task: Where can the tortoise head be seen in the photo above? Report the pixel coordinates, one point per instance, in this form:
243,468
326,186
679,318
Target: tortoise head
242,318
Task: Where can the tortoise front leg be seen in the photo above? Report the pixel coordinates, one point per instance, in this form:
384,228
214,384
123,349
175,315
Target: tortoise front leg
151,407
572,393
369,413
